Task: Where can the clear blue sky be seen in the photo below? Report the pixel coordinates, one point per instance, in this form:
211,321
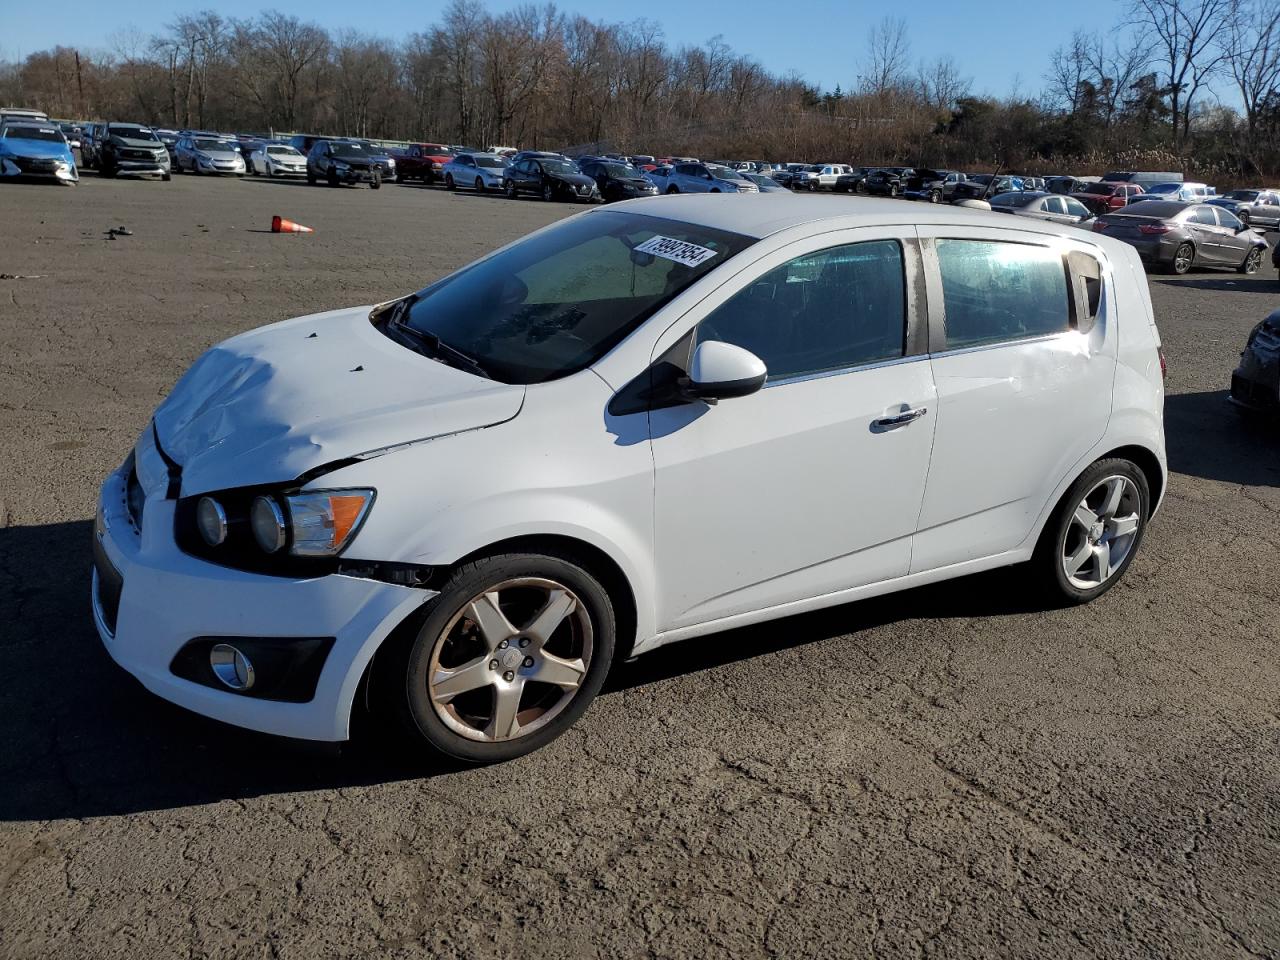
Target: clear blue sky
823,40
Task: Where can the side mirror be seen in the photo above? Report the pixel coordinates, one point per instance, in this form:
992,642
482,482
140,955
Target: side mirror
721,371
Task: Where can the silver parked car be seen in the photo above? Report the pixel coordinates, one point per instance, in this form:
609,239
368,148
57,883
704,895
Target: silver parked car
198,155
700,178
277,160
1040,205
1254,208
766,183
478,171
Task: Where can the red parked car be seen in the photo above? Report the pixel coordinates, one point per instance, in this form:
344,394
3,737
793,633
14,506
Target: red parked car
1106,196
423,161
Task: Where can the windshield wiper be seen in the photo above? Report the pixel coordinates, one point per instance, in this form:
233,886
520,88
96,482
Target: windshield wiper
437,349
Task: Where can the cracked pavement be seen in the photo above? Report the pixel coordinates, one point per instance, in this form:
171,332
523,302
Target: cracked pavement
948,772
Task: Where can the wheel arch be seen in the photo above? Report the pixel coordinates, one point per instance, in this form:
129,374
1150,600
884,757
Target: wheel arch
1146,461
594,560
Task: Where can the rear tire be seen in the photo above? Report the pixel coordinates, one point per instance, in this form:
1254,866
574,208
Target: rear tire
465,724
1183,259
1088,531
448,181
479,185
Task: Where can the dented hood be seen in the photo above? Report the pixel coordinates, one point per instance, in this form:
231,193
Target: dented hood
270,405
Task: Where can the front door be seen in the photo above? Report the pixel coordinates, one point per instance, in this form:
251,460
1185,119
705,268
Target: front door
812,485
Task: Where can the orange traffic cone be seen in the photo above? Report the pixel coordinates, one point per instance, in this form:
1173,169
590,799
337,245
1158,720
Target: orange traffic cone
280,225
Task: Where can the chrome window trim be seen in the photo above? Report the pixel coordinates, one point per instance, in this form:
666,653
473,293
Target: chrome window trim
840,371
996,344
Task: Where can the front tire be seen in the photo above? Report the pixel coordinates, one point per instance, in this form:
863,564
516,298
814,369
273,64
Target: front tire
511,191
548,194
1252,262
1094,533
507,657
448,181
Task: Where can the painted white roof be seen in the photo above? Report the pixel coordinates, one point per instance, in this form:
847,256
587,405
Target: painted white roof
760,215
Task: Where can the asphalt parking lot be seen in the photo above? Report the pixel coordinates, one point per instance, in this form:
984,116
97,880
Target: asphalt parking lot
946,772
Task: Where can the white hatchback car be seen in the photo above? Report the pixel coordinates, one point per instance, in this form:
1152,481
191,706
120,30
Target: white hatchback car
645,423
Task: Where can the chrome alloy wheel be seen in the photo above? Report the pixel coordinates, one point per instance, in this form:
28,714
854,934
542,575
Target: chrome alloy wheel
491,680
1102,532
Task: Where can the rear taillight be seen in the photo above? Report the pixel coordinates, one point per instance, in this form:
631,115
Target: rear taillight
1098,226
1164,364
1153,229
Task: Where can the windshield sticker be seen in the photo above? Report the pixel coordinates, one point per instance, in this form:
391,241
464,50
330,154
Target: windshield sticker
688,254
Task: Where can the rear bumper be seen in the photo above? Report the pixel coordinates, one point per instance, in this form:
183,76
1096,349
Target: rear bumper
150,600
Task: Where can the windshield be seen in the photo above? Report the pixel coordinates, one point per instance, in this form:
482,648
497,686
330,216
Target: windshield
1243,195
493,162
563,298
132,133
283,152
33,133
206,144
620,171
340,148
1165,188
557,166
724,173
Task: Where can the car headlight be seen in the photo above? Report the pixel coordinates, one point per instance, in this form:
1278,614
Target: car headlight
313,524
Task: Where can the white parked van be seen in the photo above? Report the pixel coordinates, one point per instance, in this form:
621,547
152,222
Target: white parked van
646,423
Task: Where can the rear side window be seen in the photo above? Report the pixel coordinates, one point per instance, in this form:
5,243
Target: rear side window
994,292
837,308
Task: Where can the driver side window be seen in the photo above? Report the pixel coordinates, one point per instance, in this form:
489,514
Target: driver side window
837,308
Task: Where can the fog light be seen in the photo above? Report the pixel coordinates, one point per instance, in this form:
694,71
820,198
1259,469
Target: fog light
231,666
267,521
211,520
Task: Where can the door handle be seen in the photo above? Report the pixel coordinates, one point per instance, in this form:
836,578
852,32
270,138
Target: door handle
899,419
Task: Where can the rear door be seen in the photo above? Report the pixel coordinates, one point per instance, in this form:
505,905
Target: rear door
1024,377
1202,225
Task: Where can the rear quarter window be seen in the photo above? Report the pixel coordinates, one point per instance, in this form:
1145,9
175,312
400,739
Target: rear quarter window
998,291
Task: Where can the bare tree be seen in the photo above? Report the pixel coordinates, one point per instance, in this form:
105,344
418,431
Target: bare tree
1251,50
941,84
888,56
1186,46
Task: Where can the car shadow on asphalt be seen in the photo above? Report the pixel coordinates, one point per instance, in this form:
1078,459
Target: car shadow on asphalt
1206,436
84,739
1234,284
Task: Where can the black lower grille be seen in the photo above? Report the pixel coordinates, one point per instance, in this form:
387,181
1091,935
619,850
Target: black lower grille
36,165
110,585
1254,394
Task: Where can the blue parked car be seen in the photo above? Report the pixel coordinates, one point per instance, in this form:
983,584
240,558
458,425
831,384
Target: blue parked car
36,150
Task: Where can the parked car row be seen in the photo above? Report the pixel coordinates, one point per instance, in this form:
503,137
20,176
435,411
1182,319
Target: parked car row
1174,224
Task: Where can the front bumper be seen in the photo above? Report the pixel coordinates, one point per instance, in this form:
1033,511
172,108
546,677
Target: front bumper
165,598
1255,383
280,170
358,176
230,168
38,169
